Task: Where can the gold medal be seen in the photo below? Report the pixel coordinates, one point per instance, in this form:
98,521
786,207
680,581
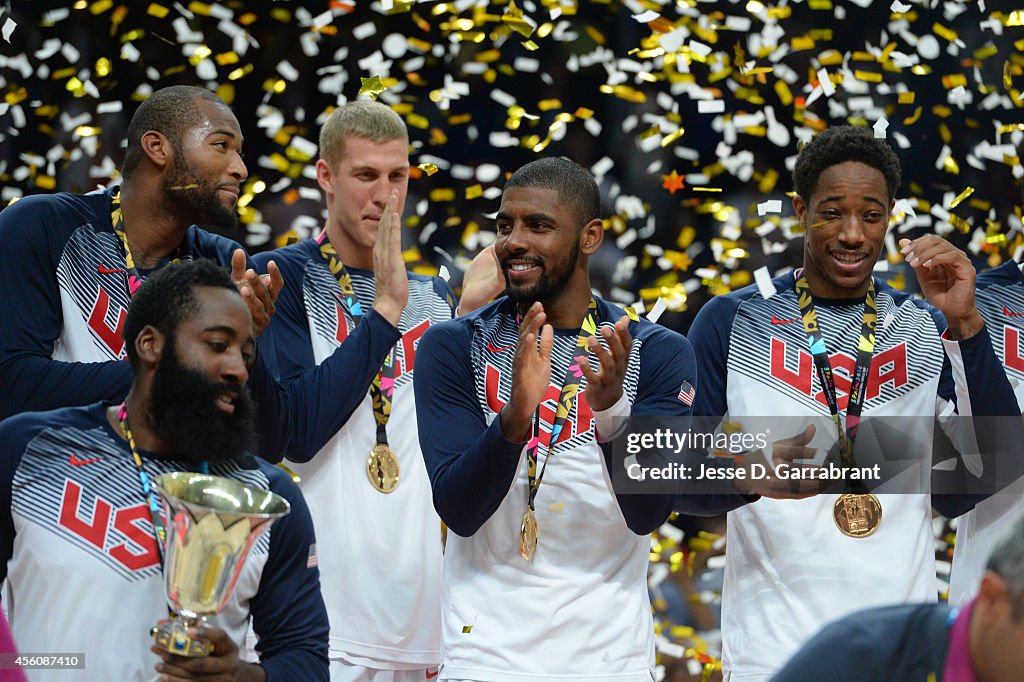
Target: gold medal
382,468
528,535
857,516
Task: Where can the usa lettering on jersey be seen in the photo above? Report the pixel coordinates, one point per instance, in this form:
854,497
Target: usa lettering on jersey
1012,357
93,519
888,367
579,422
331,324
92,283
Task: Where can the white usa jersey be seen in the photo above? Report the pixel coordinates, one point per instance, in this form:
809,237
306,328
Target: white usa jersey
380,554
579,609
78,550
65,298
789,570
1000,299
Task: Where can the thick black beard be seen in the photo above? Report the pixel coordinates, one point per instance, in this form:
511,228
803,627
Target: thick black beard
545,288
197,198
182,411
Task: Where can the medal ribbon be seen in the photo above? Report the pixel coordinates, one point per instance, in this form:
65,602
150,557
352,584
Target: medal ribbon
134,279
570,389
858,384
382,389
159,530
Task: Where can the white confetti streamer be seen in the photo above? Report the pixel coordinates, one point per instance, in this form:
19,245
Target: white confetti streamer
764,282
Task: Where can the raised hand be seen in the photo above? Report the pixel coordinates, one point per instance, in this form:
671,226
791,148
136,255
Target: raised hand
258,291
531,374
947,281
604,385
389,265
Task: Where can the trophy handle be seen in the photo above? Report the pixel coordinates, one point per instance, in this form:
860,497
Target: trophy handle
172,635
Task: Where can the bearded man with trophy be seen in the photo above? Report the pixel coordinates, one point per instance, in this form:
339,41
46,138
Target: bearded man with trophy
151,519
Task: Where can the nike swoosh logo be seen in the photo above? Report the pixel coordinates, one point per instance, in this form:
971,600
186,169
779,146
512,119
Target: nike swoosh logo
497,349
82,462
776,320
1010,313
103,270
432,676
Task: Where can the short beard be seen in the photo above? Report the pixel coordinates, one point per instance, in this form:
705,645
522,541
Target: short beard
182,411
547,286
196,198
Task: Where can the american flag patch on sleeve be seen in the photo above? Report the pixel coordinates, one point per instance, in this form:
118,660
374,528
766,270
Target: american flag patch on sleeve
312,561
686,393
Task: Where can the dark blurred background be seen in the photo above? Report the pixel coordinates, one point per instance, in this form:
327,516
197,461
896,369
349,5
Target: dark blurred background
486,87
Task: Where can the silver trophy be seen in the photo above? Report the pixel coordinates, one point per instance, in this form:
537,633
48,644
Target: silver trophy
212,523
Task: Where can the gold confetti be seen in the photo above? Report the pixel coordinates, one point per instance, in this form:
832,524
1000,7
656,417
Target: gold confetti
624,92
959,223
201,53
158,11
802,43
513,18
200,8
830,58
783,93
947,33
983,53
867,76
953,80
417,121
428,168
372,87
671,137
997,240
960,197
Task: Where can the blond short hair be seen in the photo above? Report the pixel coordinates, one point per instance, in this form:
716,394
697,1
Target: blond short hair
373,121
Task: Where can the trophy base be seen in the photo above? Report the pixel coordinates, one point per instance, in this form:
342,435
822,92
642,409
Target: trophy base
172,635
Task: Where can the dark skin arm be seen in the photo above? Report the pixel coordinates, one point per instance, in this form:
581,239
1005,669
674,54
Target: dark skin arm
223,665
947,278
783,452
